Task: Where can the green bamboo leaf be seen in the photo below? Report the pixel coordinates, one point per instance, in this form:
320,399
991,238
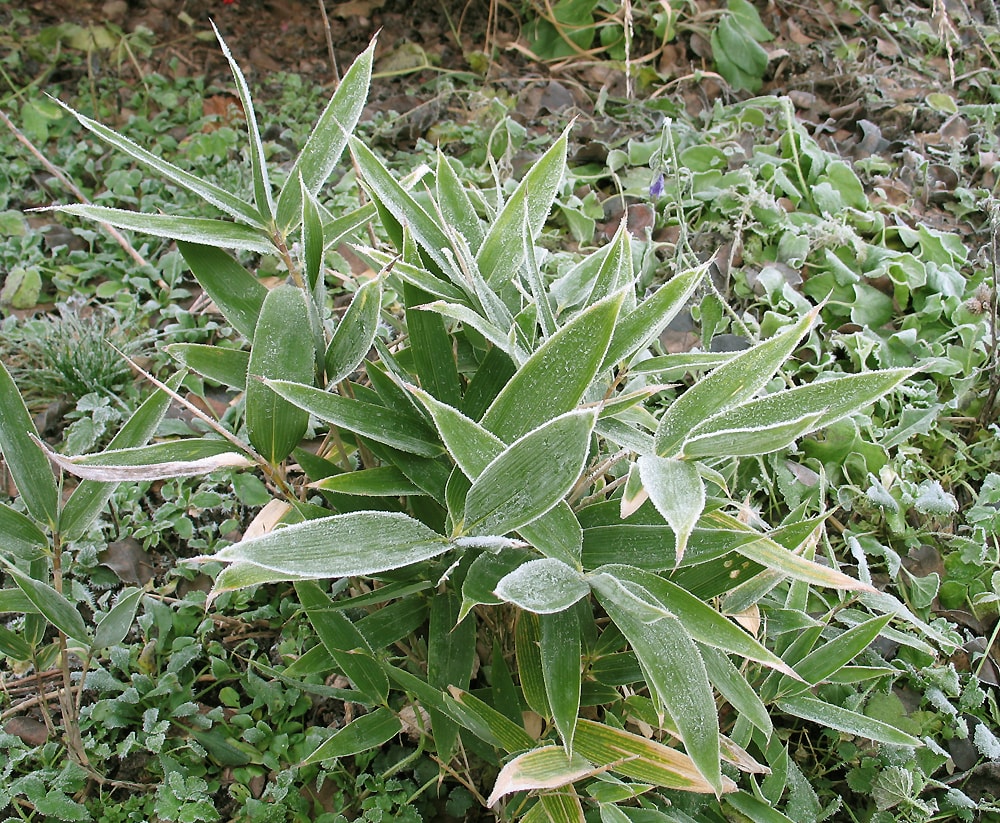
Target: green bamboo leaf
492,332
615,271
613,814
527,637
746,442
381,481
640,327
326,144
342,545
456,206
543,586
389,426
14,646
115,625
239,575
700,620
489,724
370,731
337,229
395,199
826,400
353,337
14,601
429,474
431,347
540,304
502,252
345,643
755,809
844,720
451,650
834,654
556,377
160,461
469,444
237,293
644,760
773,555
52,605
672,366
225,366
24,458
672,666
512,490
486,571
283,346
633,495
258,164
217,196
733,686
313,244
411,273
205,231
548,767
557,533
561,806
560,650
576,287
676,489
20,537
729,385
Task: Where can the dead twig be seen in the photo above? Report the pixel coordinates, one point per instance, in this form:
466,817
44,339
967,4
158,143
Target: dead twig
75,190
329,43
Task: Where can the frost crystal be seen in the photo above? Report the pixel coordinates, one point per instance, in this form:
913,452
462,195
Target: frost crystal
986,742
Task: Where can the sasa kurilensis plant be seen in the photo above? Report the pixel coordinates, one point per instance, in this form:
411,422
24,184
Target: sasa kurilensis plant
512,541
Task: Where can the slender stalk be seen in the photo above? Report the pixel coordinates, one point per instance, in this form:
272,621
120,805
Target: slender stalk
329,43
76,192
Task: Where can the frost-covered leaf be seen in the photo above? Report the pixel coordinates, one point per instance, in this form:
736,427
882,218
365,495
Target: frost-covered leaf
731,384
502,252
673,668
676,489
51,604
327,141
343,545
206,231
543,586
217,196
160,461
355,332
531,476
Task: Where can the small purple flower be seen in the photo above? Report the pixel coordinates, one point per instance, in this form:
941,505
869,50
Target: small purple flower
656,187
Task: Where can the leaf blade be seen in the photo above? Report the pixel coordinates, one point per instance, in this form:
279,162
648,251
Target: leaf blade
24,457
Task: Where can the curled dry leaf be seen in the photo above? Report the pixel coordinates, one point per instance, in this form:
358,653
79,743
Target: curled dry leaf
146,471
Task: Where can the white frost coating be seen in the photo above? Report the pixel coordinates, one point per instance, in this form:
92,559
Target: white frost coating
343,545
149,471
986,742
490,543
543,586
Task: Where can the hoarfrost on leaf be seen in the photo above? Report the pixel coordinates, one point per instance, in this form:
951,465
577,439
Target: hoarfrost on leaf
934,500
543,586
986,742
